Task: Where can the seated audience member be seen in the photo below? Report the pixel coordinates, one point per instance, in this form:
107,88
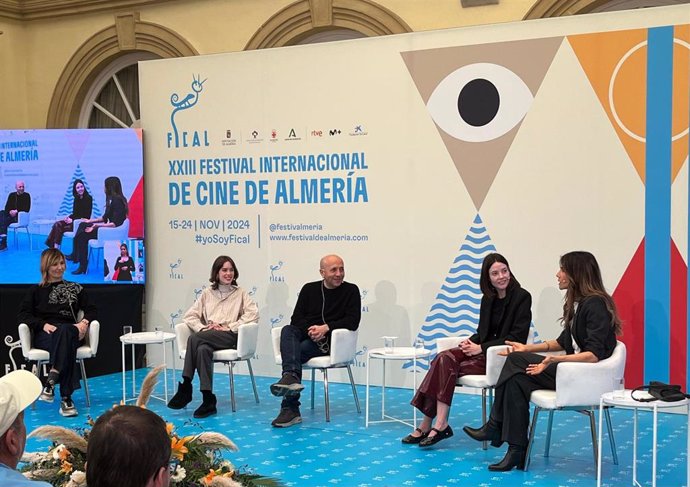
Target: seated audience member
322,306
81,209
18,390
590,325
124,265
128,447
214,318
115,214
504,314
50,309
17,201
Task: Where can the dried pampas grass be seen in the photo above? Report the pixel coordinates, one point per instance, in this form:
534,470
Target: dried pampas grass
58,434
216,440
147,387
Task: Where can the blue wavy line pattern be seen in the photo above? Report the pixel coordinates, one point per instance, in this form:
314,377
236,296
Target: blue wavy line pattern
455,310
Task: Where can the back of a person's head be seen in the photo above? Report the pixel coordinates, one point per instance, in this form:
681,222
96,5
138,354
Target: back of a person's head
128,445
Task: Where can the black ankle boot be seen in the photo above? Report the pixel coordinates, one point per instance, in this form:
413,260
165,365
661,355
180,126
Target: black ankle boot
491,431
208,406
182,397
515,457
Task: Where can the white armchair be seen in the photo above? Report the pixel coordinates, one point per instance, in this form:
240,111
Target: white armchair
23,220
70,235
87,350
343,350
579,387
486,382
247,338
106,234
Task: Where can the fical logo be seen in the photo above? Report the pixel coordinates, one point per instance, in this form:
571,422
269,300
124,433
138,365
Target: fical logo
193,138
275,277
175,271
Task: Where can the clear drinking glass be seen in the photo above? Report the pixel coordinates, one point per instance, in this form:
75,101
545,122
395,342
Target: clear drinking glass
418,345
127,330
619,387
388,344
159,332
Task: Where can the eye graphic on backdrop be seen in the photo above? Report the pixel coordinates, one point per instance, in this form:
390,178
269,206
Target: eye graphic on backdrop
479,102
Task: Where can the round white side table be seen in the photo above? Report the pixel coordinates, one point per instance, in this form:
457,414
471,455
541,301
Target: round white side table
146,338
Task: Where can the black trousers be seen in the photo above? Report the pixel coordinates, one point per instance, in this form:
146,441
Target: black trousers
5,221
62,346
199,355
296,348
81,244
511,404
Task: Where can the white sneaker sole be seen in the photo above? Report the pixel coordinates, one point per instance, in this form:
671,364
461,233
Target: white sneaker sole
69,413
296,420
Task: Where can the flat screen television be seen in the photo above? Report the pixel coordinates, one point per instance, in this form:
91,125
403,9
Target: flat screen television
64,174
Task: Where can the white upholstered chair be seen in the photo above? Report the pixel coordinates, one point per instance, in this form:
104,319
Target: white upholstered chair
343,350
486,382
85,351
23,220
106,234
70,235
247,338
579,387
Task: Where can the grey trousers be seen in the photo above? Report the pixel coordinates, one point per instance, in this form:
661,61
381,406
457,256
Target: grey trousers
199,356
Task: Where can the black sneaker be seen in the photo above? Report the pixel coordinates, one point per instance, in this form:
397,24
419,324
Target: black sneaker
48,392
67,407
287,417
207,408
288,385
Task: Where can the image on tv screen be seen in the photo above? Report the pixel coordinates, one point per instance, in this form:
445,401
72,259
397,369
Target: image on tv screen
77,190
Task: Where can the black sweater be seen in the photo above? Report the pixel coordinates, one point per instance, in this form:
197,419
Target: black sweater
82,207
19,202
57,302
342,307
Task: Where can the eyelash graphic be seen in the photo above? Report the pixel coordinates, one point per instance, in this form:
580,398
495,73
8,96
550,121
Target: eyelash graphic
479,102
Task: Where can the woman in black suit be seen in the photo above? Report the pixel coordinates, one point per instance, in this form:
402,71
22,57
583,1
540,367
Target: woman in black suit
116,210
505,314
590,325
124,265
81,209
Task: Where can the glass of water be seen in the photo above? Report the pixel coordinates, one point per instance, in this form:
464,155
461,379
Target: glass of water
389,344
159,332
127,330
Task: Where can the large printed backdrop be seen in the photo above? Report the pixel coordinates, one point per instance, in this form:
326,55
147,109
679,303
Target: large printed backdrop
413,156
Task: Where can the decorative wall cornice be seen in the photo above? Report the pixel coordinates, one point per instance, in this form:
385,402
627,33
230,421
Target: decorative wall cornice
43,9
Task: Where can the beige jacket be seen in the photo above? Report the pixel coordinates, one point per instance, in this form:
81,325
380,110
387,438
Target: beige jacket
230,308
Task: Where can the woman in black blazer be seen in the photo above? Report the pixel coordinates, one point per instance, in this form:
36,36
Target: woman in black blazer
590,326
504,314
81,209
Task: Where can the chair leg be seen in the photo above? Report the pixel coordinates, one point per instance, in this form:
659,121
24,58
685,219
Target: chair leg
251,375
354,389
313,380
86,383
530,442
325,394
612,440
232,385
549,427
485,444
38,376
593,429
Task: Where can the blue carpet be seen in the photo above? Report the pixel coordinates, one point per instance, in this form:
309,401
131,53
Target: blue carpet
345,453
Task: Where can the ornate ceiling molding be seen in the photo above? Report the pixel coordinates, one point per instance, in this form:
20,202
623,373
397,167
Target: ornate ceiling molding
43,9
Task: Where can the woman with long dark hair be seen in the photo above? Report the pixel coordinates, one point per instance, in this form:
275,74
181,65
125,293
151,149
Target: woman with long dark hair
82,207
505,314
51,310
590,325
215,319
124,265
116,210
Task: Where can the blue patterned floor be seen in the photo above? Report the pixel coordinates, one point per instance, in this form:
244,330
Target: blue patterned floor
345,453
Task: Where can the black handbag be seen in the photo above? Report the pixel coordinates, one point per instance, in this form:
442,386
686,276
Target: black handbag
661,392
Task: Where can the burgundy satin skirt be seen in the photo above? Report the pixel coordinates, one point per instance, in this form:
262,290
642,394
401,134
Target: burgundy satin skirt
439,383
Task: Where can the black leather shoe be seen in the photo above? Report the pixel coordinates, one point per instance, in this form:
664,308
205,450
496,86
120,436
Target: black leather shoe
489,432
413,440
207,408
515,457
440,435
182,397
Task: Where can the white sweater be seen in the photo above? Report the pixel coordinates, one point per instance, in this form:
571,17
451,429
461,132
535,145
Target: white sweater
228,306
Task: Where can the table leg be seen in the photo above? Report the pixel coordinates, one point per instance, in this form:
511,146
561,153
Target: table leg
601,408
124,376
383,390
414,386
175,365
132,349
654,448
366,415
635,447
165,371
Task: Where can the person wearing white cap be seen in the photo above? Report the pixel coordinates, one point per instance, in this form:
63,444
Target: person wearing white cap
18,390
